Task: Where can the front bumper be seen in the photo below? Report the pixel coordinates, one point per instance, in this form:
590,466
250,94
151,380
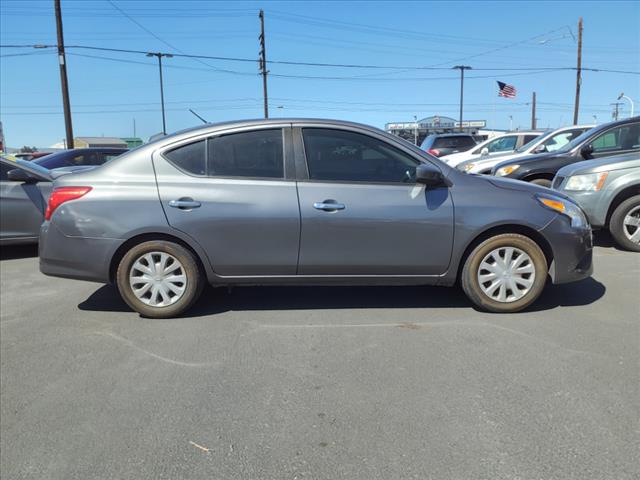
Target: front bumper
572,251
79,258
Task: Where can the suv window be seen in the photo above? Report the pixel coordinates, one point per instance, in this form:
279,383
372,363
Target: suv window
625,137
247,154
561,139
189,157
528,138
454,142
348,156
502,144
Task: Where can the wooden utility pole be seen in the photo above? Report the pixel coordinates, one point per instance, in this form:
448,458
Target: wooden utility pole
533,112
462,68
66,105
578,74
616,111
263,65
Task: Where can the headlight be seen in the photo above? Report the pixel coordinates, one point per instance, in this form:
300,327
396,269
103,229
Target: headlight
590,182
468,166
570,209
508,170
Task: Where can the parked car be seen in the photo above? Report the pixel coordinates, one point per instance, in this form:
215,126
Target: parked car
79,157
550,141
608,190
23,199
443,144
613,138
499,145
295,201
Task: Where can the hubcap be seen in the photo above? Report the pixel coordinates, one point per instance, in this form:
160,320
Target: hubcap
506,274
631,225
157,279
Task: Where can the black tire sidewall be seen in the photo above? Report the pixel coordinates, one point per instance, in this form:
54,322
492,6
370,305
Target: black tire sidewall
191,268
616,223
470,283
543,182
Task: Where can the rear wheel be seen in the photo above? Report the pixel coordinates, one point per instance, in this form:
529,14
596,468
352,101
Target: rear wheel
159,279
505,273
625,224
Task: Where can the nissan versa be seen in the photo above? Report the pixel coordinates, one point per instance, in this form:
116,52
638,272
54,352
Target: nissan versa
305,202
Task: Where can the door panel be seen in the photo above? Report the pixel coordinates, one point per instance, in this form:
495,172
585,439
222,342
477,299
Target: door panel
21,209
382,230
247,226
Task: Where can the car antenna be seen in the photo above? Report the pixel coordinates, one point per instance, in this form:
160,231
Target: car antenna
203,120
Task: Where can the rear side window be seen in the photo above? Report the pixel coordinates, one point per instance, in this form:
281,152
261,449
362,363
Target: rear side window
528,138
502,144
247,154
190,157
454,142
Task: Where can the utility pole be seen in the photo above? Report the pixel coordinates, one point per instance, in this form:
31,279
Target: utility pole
533,112
415,129
160,55
66,104
616,110
263,64
578,74
462,68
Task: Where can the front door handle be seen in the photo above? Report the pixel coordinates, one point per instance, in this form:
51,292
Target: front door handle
329,206
184,203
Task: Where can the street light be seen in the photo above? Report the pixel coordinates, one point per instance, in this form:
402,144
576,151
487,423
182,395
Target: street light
415,129
621,96
160,55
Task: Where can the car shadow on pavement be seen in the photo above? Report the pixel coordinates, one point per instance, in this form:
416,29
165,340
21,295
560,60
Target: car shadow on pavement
13,252
219,300
602,238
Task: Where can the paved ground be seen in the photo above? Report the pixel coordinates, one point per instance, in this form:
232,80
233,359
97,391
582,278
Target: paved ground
323,383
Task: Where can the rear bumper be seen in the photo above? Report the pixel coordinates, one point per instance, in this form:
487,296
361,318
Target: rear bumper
75,257
572,251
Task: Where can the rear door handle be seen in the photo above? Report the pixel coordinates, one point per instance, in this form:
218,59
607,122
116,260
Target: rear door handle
184,203
328,206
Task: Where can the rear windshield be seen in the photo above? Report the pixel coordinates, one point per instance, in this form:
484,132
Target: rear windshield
454,142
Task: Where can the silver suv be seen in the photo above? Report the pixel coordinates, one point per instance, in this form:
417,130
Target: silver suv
305,202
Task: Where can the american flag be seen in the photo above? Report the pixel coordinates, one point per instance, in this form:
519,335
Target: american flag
508,91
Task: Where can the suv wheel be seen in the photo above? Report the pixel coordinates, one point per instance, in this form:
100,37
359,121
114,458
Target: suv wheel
505,273
543,182
625,224
159,279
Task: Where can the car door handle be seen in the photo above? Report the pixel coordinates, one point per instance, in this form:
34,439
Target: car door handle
328,206
184,204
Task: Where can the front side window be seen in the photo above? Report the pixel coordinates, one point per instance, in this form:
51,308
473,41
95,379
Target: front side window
625,137
502,144
337,155
247,154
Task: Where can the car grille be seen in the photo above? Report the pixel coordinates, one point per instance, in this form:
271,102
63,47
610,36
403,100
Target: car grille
557,182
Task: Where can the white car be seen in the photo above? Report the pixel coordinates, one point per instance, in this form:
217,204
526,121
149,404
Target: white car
502,144
548,142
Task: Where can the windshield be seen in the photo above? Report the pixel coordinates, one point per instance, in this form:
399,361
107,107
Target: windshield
533,142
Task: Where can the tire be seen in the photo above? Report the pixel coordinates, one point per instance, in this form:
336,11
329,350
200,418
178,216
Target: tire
617,227
512,302
168,293
543,182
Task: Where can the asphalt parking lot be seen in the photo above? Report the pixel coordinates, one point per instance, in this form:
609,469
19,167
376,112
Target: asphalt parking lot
322,383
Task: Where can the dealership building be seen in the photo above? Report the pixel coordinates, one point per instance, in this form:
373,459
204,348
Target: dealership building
437,124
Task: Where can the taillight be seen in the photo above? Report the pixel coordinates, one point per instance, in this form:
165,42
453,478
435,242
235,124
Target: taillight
61,195
434,151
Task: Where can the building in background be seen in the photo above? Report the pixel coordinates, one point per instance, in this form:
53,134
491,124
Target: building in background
133,142
434,124
86,142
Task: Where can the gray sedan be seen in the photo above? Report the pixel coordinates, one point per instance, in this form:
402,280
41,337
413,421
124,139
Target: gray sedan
305,201
608,190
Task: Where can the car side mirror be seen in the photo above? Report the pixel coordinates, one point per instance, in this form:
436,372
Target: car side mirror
18,175
430,176
484,151
540,149
586,151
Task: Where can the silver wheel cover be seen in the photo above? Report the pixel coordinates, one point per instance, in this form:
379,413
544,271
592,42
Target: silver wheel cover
631,225
506,274
157,279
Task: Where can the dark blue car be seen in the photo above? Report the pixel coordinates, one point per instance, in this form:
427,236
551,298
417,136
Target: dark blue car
79,157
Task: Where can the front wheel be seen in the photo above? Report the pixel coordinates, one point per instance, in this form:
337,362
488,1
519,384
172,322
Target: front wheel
505,273
159,279
543,182
625,224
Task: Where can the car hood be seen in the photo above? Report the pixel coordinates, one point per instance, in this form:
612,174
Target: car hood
518,185
540,159
605,164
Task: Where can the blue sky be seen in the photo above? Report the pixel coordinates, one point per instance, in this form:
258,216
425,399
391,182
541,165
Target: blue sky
109,92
